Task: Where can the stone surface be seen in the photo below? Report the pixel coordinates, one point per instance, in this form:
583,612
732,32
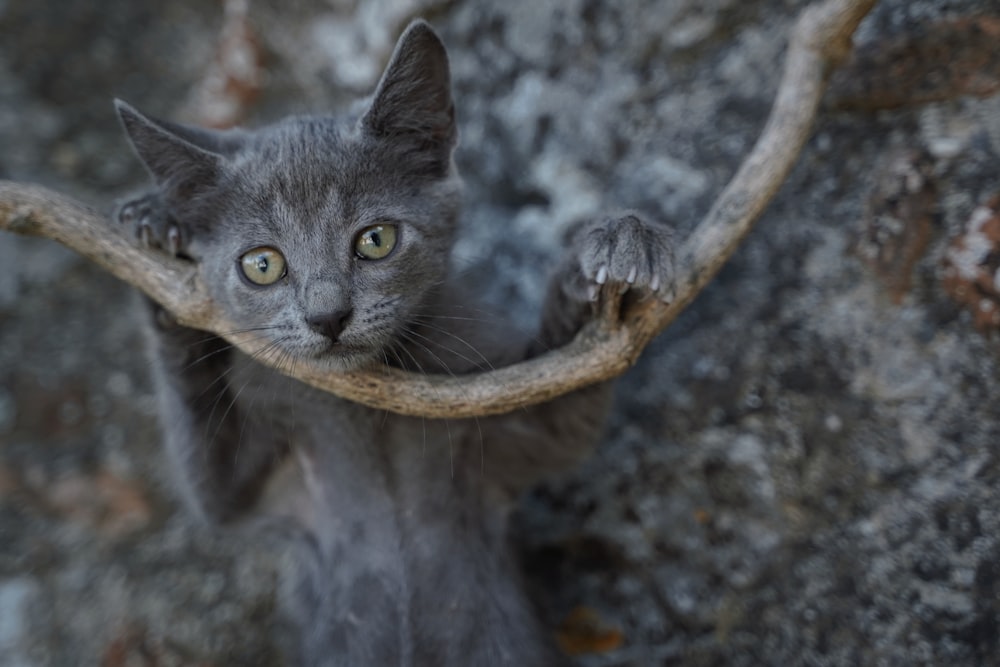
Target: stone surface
802,470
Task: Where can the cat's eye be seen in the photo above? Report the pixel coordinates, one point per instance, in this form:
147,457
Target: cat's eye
375,242
263,266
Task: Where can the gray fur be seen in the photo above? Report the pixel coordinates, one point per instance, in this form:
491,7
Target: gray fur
398,525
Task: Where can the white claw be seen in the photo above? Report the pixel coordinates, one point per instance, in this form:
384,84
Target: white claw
602,275
592,292
632,275
655,285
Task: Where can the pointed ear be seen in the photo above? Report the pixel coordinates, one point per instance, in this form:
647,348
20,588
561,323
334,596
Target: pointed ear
414,96
182,160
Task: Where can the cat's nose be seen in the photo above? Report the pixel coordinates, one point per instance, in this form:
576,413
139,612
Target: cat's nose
329,324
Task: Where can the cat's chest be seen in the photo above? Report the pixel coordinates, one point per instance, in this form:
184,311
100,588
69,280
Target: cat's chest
352,457
403,532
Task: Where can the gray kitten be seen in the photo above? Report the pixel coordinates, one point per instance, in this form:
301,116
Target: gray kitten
330,237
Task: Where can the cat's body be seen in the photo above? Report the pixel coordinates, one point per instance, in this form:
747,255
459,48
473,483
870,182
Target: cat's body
331,238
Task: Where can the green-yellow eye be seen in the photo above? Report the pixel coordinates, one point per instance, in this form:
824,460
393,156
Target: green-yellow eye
375,242
263,266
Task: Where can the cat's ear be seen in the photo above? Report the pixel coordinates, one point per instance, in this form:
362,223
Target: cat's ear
181,159
413,97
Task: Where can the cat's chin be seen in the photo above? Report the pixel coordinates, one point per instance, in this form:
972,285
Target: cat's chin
339,359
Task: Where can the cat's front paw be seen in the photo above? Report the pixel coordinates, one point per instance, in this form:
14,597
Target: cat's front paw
627,255
148,218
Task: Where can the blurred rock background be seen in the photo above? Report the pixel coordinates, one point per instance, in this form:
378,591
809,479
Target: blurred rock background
804,469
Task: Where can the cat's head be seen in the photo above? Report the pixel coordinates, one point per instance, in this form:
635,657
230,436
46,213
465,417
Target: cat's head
326,233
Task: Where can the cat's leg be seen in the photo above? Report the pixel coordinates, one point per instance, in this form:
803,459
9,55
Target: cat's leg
218,459
609,263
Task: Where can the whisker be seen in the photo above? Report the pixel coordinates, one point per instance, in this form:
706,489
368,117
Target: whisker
447,422
233,332
489,318
208,355
219,378
482,448
225,387
423,429
412,358
409,337
222,421
485,362
286,358
208,422
385,413
225,348
283,361
249,409
423,420
412,336
435,316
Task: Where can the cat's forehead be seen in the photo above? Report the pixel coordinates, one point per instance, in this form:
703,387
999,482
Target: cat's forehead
309,160
307,169
301,160
302,144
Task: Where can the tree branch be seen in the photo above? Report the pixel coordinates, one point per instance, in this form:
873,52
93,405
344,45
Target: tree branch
820,40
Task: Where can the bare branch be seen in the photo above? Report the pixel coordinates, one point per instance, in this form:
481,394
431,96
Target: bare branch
821,39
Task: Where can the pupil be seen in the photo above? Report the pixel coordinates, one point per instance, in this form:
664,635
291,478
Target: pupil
376,239
262,264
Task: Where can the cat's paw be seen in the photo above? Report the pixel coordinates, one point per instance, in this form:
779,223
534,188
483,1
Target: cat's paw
149,220
627,255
